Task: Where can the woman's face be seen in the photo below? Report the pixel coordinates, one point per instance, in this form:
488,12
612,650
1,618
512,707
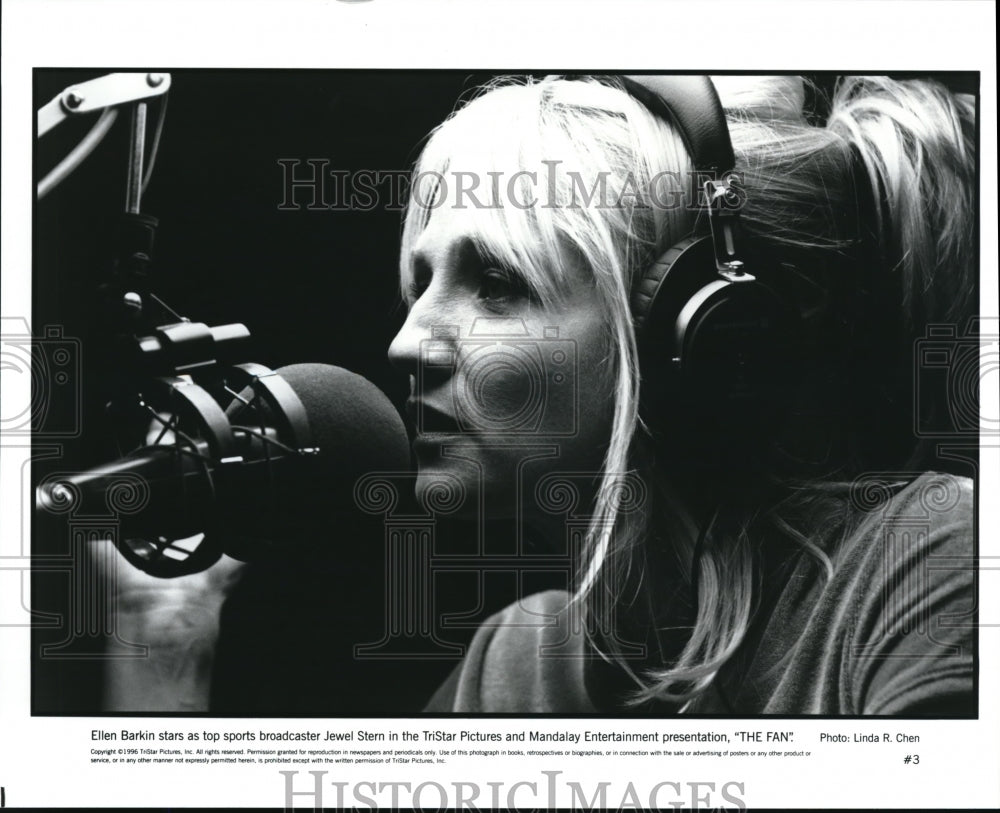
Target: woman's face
504,389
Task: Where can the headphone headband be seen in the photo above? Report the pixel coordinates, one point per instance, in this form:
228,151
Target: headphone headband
711,335
692,104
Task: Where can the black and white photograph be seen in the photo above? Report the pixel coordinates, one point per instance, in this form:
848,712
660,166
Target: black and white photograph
648,435
546,416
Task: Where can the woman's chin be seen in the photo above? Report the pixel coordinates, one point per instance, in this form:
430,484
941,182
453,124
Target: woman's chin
457,489
448,490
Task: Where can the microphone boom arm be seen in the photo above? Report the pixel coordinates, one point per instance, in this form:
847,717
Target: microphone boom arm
98,94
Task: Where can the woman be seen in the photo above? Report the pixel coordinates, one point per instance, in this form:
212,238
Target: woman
677,581
732,560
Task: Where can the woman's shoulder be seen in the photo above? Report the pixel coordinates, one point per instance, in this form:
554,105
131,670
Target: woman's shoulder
932,492
527,658
930,513
904,592
888,630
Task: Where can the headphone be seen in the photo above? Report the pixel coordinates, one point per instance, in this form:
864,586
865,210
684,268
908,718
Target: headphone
707,325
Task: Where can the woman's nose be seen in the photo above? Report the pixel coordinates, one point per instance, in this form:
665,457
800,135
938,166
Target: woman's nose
406,347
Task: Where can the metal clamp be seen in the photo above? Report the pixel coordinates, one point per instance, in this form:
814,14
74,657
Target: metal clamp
723,217
98,94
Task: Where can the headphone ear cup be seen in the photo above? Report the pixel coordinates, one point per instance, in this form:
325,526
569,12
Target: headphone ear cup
658,295
734,342
708,346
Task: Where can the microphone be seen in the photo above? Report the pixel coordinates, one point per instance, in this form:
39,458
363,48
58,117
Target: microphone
279,462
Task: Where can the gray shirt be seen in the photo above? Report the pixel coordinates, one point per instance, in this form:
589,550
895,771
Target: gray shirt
892,633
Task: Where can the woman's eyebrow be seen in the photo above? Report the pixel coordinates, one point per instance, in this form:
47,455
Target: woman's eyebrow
462,251
430,248
486,257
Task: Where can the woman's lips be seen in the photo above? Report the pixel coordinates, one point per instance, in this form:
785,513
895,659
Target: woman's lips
430,421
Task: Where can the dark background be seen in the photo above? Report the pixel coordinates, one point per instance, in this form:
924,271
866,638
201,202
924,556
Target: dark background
312,286
317,286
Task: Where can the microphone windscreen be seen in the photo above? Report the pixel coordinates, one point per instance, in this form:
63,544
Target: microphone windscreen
351,419
273,502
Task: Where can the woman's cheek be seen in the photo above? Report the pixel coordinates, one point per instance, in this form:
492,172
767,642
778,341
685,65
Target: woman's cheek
501,389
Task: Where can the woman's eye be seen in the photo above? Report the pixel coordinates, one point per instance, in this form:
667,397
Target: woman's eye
498,285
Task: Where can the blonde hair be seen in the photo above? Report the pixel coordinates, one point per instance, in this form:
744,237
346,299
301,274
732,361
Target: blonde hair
913,142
